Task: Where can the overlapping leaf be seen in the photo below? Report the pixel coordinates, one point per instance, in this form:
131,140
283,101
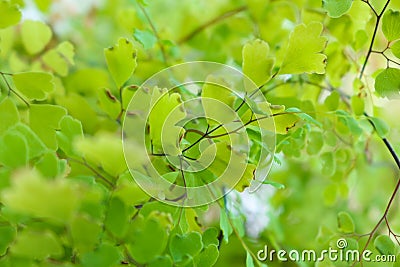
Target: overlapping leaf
304,53
121,61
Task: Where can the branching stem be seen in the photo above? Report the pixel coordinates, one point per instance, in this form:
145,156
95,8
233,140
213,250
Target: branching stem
370,49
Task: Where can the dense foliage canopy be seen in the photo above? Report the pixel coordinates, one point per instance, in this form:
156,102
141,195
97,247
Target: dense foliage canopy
83,131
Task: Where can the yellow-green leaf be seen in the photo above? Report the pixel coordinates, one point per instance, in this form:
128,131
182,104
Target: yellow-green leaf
304,53
43,5
257,64
35,36
33,195
9,14
44,120
165,113
9,115
34,85
121,61
14,150
336,8
345,223
37,245
217,100
59,59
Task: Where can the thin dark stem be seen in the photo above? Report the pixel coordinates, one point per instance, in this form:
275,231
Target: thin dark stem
6,73
392,197
251,121
210,23
130,258
84,163
3,74
154,29
201,138
121,105
392,152
383,218
385,56
371,7
378,18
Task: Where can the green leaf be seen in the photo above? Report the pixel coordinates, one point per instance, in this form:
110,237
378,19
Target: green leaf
220,164
35,36
391,24
43,5
163,117
87,81
387,83
257,65
225,225
9,115
328,163
9,14
117,218
208,257
50,165
185,245
304,51
357,105
304,116
349,121
145,37
70,131
34,85
37,245
345,223
210,237
143,234
129,191
249,260
36,146
33,195
171,176
79,108
85,233
332,101
44,120
282,123
121,61
105,150
109,103
381,128
315,142
385,245
395,47
7,233
336,8
59,59
14,150
217,108
105,255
